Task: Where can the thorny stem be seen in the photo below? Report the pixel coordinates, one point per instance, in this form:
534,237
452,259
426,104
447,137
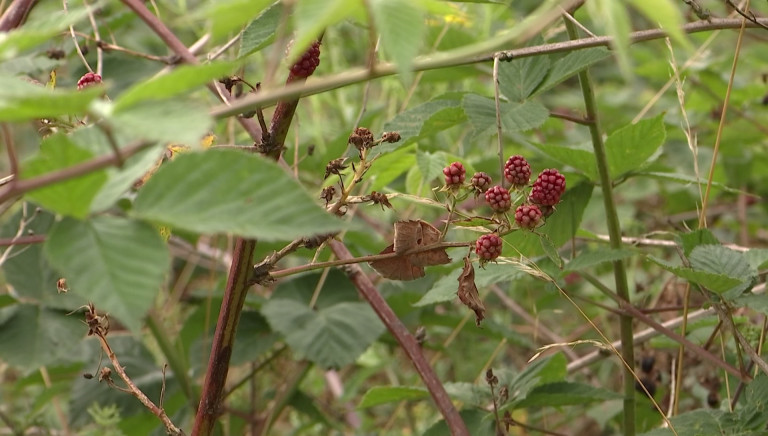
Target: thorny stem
405,339
614,231
452,59
16,13
224,337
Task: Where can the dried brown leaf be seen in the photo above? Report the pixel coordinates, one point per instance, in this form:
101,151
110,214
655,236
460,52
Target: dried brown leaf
468,291
414,234
397,268
411,235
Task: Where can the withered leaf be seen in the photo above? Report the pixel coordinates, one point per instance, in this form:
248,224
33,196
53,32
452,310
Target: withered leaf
468,291
397,268
410,235
413,234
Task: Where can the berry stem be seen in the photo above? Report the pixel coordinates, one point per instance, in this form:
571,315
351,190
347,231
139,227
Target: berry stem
614,232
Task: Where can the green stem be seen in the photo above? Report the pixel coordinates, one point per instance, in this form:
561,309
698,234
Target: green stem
614,233
177,363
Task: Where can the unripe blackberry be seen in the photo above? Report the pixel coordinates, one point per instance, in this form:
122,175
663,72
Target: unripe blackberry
547,188
481,181
528,216
498,198
306,64
88,79
454,174
488,247
517,171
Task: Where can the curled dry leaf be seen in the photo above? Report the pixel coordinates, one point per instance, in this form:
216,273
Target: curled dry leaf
468,291
411,235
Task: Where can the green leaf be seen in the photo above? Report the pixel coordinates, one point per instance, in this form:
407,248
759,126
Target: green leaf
389,394
116,263
630,147
445,288
260,31
580,159
565,394
312,17
714,282
614,18
475,420
331,337
757,258
541,371
667,15
221,191
21,100
721,260
518,78
426,119
590,259
33,336
70,197
401,25
181,79
430,164
229,16
174,120
120,180
756,302
570,65
690,240
515,117
391,166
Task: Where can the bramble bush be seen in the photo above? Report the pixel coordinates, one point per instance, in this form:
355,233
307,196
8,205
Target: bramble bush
383,217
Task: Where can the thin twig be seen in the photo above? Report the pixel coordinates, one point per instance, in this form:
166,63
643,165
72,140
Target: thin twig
74,39
77,170
16,13
170,427
95,26
499,133
405,339
10,149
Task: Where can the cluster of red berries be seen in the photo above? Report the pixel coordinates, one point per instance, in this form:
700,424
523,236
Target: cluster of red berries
308,62
545,193
88,79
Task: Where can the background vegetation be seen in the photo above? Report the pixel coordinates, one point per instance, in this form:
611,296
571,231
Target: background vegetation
140,212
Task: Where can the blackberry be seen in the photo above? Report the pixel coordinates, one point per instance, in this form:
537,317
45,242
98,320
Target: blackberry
517,171
528,216
306,64
454,174
481,181
547,188
88,79
498,198
488,247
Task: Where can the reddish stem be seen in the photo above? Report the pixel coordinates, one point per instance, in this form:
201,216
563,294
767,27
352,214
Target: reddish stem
404,338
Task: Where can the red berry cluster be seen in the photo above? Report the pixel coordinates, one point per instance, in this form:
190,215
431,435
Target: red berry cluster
88,79
306,64
528,216
498,198
481,182
488,247
517,171
547,188
454,174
